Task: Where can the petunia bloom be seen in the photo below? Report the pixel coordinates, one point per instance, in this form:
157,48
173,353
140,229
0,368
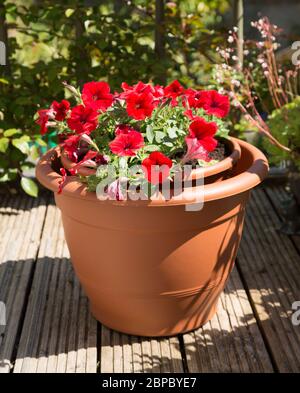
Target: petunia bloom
91,159
195,151
123,129
204,132
156,167
214,103
138,88
83,119
97,95
44,116
127,144
60,109
194,98
116,191
139,106
62,181
173,91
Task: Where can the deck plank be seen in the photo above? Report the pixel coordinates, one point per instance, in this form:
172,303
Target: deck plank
278,195
270,266
58,333
231,341
50,322
22,221
122,353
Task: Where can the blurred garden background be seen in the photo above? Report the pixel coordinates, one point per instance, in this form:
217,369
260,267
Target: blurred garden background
49,42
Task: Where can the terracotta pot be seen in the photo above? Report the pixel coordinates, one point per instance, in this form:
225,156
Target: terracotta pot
151,268
211,174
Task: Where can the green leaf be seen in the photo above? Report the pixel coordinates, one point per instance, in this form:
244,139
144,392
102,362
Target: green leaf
159,136
34,152
172,133
151,148
69,12
12,132
41,142
4,142
21,144
29,186
4,178
149,133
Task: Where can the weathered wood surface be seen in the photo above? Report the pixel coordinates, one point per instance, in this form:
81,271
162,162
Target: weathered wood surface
270,266
50,328
231,341
59,333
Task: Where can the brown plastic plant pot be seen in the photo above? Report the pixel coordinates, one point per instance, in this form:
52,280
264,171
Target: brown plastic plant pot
151,268
210,174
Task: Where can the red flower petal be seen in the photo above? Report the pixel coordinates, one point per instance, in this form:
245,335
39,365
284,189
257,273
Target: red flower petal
97,95
83,119
127,144
214,103
156,167
140,106
60,109
62,181
204,131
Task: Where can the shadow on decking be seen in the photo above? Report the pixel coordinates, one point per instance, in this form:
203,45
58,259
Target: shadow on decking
49,315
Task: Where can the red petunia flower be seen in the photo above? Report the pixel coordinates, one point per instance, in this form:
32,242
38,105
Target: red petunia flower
97,95
70,146
60,109
173,90
62,181
139,88
214,103
195,98
204,132
91,159
44,116
156,167
127,144
140,106
123,129
83,119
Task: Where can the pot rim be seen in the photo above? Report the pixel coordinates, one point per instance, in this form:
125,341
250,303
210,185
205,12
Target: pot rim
237,184
219,167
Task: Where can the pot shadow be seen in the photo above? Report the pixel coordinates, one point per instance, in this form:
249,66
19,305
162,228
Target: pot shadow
48,315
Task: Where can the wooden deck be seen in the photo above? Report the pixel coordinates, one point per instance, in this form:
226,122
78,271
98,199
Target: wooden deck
50,329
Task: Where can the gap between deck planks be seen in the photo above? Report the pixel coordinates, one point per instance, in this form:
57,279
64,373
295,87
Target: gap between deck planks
58,333
269,264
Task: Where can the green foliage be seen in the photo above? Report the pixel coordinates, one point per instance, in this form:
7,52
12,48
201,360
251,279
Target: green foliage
51,42
17,153
284,125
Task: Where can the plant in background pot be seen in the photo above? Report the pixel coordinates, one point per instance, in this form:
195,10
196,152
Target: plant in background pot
152,263
266,92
